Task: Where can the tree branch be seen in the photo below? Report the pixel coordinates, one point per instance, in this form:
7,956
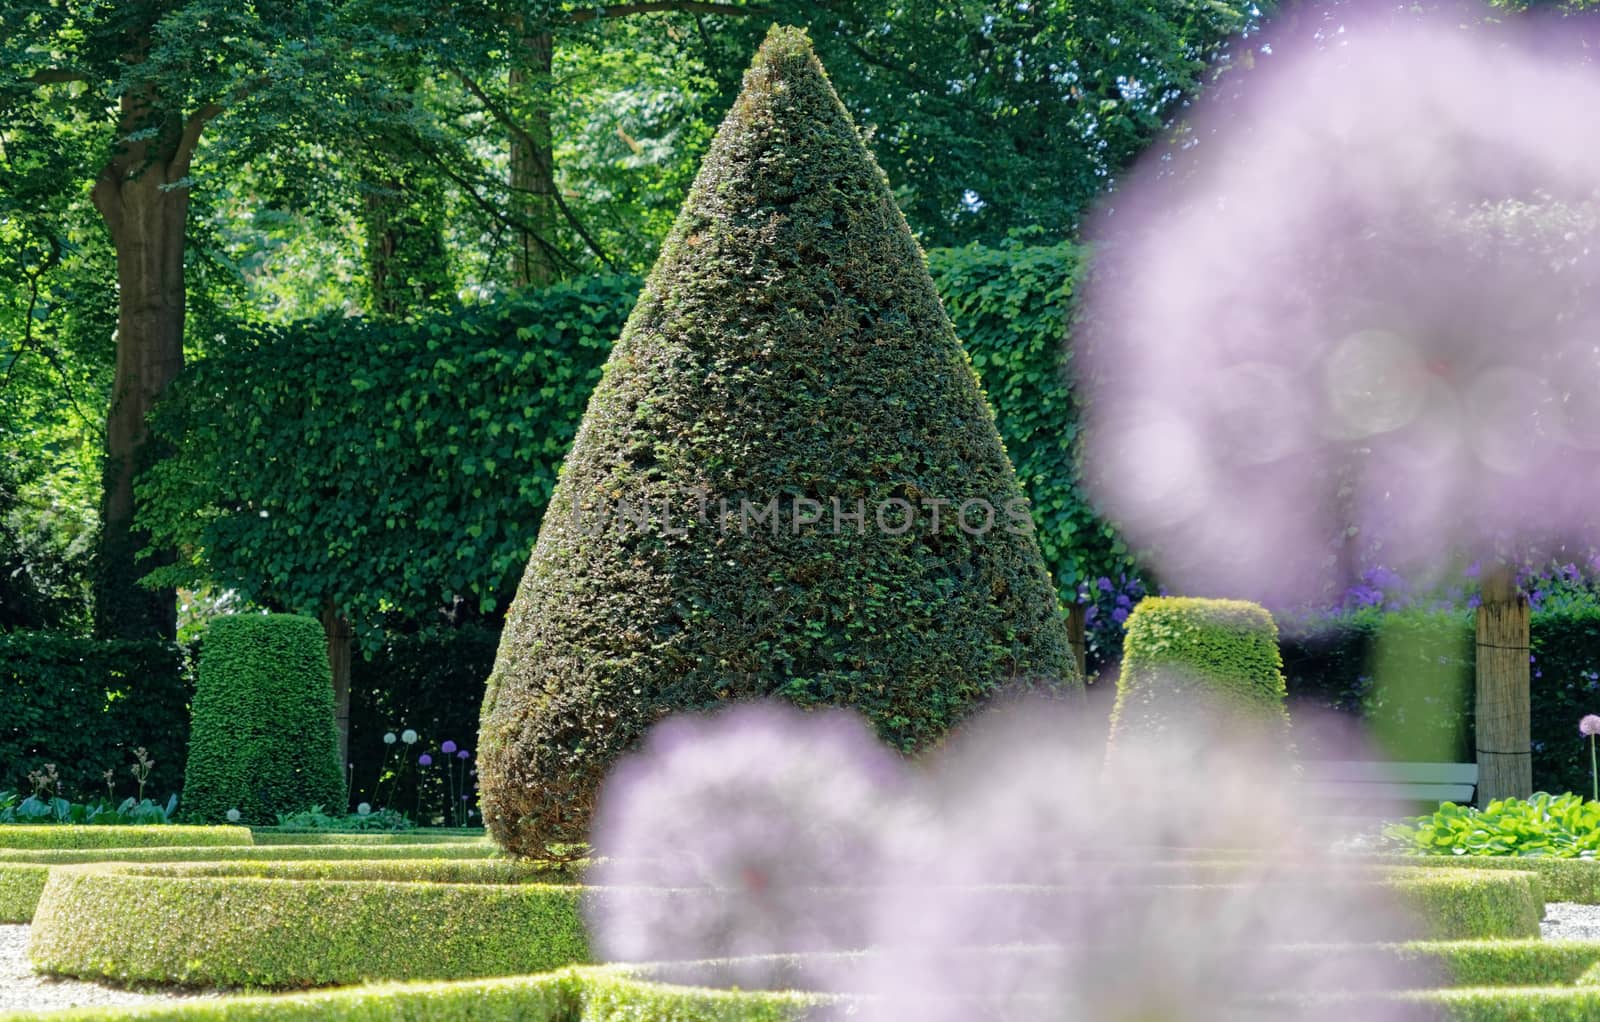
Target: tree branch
184,154
504,118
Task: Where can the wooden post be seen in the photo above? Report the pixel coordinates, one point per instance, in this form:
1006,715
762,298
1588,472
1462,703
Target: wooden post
1076,625
1502,707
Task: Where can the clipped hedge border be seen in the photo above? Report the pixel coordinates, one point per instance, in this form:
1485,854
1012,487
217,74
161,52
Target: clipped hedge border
1458,904
309,836
1559,879
50,835
617,994
588,994
287,924
23,871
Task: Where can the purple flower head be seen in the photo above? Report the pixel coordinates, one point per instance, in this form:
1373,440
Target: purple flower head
1119,615
448,747
424,760
1104,584
1227,408
463,754
1589,726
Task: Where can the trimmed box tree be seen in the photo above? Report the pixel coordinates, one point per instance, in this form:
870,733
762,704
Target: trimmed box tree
1189,665
788,483
263,738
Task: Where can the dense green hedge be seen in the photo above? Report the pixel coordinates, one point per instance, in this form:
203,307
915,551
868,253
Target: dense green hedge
422,450
289,924
1330,665
264,740
85,705
1189,664
1011,306
790,354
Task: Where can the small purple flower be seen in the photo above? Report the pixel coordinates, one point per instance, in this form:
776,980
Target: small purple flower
1119,615
1104,584
448,747
424,760
463,754
1589,726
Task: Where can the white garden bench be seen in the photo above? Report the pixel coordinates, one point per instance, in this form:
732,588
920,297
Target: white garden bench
1354,788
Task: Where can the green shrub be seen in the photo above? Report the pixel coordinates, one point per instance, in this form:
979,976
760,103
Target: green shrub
311,836
591,994
1465,904
1559,826
121,836
23,871
789,356
1189,664
293,924
1559,879
263,739
85,705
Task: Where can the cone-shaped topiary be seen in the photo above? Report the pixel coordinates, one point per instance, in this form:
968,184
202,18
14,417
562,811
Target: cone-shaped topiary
263,738
1192,666
787,483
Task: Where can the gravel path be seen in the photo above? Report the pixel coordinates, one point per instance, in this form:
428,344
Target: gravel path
1566,920
21,990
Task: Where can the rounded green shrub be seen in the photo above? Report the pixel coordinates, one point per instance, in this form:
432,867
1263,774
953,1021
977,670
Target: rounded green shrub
1192,665
263,738
788,483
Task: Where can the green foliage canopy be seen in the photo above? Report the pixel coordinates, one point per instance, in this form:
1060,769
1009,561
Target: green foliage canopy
378,466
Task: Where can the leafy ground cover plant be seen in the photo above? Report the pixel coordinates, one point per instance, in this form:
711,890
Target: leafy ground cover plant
364,818
55,809
1559,826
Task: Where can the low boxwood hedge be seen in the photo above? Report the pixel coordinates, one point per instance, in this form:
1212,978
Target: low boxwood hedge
299,923
307,836
291,924
593,994
1559,879
1466,904
40,835
23,871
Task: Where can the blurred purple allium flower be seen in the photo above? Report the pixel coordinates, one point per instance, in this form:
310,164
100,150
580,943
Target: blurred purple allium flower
448,747
463,754
1589,726
1357,313
424,760
747,812
1015,867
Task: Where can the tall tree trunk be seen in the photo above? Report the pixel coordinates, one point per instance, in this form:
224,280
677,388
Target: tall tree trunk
1502,708
408,266
147,219
533,183
337,628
